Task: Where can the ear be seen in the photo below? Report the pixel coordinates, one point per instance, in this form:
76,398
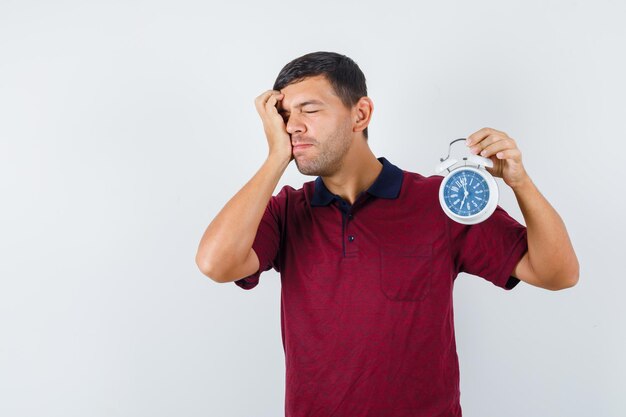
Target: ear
362,114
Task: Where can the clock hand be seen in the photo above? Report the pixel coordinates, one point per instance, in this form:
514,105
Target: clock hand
464,192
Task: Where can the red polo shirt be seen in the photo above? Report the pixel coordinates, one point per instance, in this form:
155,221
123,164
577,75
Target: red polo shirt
366,293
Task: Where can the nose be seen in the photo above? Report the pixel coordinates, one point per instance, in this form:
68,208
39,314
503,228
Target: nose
294,124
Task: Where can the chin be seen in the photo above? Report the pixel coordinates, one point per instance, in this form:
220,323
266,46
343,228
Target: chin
306,170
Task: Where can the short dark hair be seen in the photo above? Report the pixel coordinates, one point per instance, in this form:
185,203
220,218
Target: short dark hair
343,74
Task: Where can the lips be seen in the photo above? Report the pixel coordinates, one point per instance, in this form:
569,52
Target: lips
302,146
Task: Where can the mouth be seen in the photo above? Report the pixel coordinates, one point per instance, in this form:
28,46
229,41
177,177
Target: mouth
302,147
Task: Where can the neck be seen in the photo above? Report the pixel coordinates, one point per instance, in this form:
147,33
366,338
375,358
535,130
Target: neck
359,169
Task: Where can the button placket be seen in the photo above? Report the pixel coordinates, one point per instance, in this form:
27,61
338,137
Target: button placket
350,248
350,242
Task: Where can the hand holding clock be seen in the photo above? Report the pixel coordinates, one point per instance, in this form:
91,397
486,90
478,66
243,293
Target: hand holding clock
503,151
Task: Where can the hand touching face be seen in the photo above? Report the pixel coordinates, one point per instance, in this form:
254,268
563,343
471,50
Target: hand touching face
278,139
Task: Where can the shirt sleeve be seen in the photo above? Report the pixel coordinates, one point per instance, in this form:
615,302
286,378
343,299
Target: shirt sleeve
490,249
267,241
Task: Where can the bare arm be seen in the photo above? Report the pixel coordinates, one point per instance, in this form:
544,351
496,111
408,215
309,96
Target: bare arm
227,242
550,262
225,251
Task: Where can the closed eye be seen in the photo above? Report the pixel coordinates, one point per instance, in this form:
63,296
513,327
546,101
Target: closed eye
285,115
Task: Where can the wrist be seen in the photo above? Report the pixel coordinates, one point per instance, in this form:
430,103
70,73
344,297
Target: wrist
522,185
276,159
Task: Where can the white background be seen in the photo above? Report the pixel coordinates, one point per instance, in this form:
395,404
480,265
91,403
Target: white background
125,126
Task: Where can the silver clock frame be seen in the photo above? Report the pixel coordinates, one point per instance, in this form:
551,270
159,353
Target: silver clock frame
494,194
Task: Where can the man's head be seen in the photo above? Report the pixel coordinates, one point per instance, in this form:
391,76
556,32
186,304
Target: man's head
343,74
325,104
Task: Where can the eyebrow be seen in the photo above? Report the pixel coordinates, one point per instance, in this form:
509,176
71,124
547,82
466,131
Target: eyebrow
304,103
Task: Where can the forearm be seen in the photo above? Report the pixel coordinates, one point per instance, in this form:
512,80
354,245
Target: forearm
550,250
229,237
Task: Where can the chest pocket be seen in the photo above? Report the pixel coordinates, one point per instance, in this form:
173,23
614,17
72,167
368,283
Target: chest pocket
406,271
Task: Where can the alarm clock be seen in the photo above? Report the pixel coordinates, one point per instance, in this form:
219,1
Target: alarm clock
468,193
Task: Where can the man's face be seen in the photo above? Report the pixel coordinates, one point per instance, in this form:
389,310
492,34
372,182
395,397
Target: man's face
315,116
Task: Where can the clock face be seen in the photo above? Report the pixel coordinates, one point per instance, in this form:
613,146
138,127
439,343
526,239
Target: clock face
466,192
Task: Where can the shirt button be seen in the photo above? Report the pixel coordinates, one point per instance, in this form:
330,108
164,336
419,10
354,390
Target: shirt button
349,216
350,238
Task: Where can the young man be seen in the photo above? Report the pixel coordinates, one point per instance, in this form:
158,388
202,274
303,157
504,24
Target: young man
366,255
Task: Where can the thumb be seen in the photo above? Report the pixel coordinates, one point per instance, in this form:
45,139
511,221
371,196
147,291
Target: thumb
496,171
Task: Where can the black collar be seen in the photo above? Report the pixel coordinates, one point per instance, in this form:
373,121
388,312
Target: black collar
387,185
